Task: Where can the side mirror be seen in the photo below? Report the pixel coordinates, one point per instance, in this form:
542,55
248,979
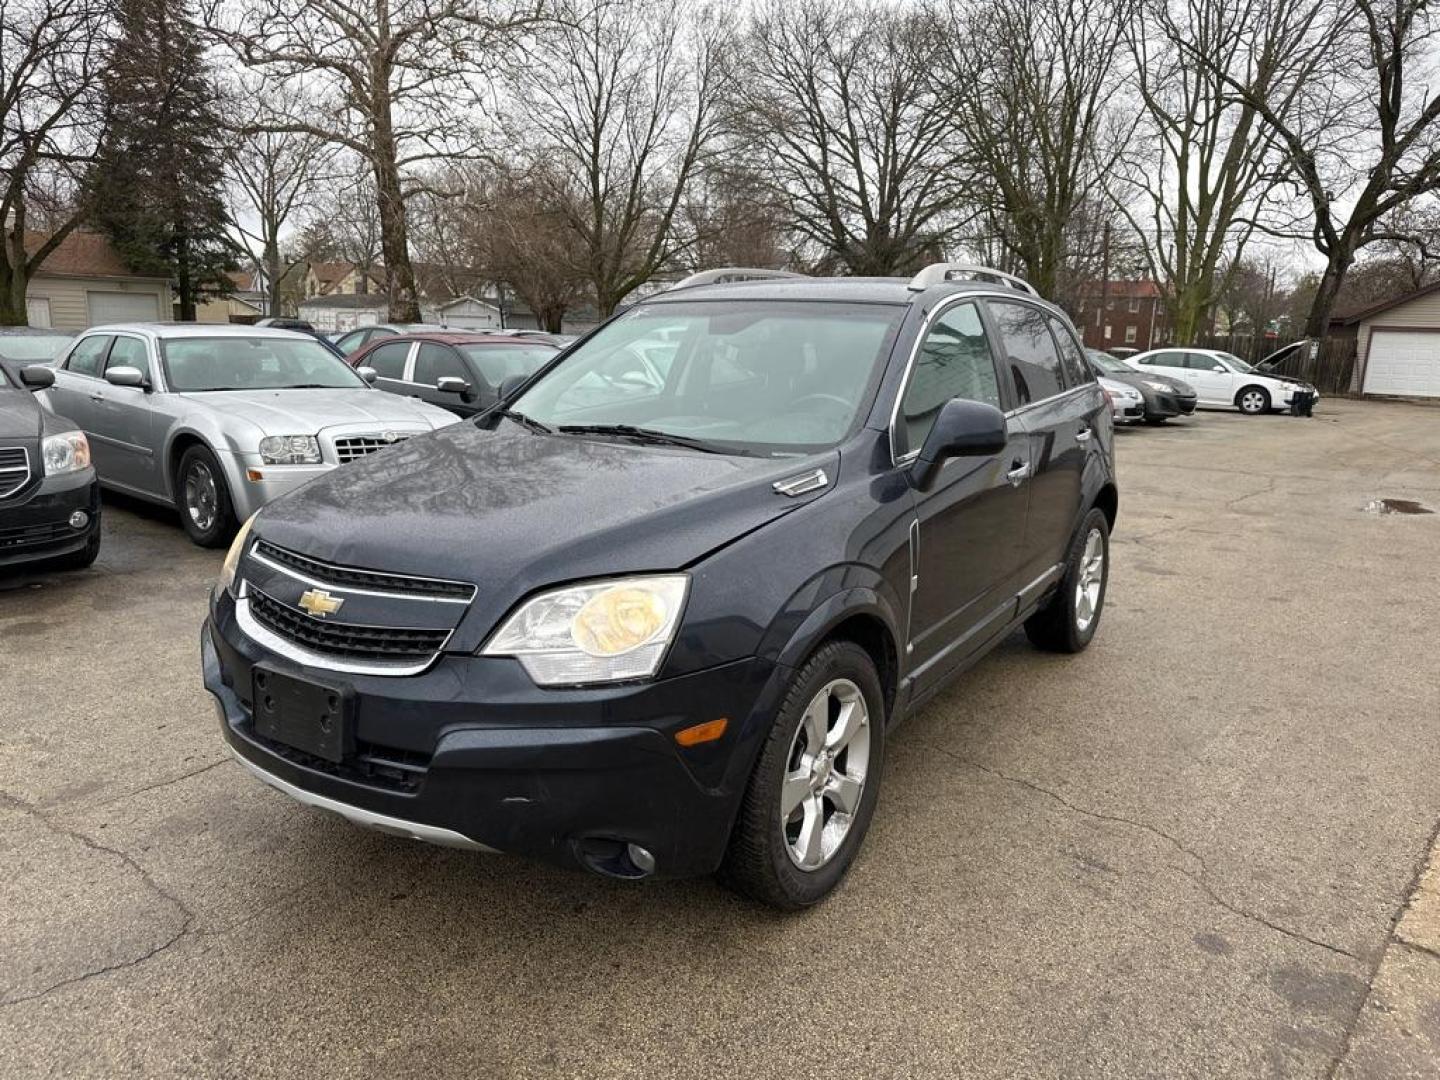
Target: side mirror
1219,369
452,384
510,385
963,429
125,376
369,374
36,377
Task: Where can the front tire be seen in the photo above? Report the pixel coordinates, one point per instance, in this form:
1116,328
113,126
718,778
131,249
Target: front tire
1253,400
203,499
813,792
1068,622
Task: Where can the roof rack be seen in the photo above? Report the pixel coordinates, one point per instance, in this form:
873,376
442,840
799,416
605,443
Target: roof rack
936,273
726,274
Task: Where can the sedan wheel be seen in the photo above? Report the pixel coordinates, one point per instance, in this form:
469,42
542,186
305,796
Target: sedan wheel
203,499
825,778
200,496
1254,401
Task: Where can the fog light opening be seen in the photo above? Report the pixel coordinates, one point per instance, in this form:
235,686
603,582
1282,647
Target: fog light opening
616,858
642,859
79,519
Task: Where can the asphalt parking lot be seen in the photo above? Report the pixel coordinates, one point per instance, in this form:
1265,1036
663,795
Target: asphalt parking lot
1182,853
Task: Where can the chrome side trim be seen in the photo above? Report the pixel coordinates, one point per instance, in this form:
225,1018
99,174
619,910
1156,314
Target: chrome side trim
253,553
412,830
1041,583
288,649
803,484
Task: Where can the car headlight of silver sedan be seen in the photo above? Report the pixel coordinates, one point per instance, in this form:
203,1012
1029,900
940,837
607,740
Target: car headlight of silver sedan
601,631
65,453
1160,386
290,450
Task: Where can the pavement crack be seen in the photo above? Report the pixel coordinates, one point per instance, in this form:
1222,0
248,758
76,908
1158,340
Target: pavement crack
1268,489
1198,875
187,916
169,781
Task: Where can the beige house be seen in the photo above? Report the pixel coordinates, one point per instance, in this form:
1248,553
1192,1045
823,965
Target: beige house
338,279
84,282
1397,345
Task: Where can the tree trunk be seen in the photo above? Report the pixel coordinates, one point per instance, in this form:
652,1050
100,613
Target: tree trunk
186,284
394,238
13,280
272,272
553,320
1188,312
1317,323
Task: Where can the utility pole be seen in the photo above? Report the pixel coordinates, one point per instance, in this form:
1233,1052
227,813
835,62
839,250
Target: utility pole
1104,282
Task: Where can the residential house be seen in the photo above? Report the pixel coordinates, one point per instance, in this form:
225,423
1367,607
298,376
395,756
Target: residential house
344,311
1123,315
84,282
465,313
338,278
1397,344
244,302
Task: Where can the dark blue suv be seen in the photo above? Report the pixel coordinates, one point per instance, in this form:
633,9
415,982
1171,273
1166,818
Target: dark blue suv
659,611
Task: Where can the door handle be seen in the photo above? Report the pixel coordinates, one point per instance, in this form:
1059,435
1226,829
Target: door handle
97,397
1017,475
1084,434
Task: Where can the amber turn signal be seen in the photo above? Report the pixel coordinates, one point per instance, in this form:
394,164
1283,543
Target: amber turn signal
702,733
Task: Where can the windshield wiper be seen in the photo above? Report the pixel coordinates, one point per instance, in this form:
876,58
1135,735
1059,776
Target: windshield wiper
640,434
520,418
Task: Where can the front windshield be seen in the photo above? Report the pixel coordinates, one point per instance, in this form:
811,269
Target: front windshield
766,377
1106,362
1233,362
254,363
500,362
32,347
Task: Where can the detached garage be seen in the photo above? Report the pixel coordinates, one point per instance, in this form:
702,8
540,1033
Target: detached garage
84,282
1397,345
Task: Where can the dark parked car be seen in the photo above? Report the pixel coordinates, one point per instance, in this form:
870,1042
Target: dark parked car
353,340
1165,397
459,371
671,631
49,497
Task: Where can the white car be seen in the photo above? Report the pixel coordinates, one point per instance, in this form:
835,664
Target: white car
1222,380
1127,405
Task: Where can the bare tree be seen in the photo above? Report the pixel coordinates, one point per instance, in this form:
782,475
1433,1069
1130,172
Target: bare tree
1031,84
528,243
383,78
275,176
618,108
1359,119
52,122
835,105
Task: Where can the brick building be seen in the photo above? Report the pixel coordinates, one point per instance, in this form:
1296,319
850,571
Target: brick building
1131,317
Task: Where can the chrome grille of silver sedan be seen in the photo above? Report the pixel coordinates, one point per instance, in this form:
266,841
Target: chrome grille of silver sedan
14,469
350,447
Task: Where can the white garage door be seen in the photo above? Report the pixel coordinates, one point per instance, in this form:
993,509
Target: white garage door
1403,362
113,307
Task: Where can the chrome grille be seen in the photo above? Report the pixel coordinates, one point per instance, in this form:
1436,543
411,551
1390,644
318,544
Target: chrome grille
345,640
350,577
14,469
351,447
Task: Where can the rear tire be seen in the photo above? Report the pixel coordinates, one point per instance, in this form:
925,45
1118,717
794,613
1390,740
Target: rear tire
203,499
836,692
1069,621
1253,400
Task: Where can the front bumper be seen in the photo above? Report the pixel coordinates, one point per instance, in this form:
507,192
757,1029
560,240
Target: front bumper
1128,412
1164,405
471,753
37,526
252,483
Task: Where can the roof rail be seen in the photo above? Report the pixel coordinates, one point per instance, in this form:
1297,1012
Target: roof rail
727,274
936,273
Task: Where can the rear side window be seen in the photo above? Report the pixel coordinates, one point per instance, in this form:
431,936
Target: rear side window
1029,351
388,360
1077,371
87,356
954,361
435,362
500,362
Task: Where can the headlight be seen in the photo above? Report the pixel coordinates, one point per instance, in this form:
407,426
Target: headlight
1160,386
232,557
604,631
290,450
65,453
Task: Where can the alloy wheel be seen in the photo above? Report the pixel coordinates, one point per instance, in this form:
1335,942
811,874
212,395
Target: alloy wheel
1089,581
1252,401
825,774
201,498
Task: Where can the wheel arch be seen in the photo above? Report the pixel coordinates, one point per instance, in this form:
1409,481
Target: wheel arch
1269,394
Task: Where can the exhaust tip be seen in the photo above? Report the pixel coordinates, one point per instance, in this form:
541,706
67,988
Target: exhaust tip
616,858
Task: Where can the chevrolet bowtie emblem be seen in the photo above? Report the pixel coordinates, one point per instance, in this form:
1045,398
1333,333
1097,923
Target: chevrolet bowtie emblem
320,603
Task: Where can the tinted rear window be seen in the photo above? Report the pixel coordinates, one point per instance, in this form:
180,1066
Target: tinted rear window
1029,351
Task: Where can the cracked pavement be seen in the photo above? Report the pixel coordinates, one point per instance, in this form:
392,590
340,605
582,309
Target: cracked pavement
1198,849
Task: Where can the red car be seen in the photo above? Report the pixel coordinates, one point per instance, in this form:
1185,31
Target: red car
457,370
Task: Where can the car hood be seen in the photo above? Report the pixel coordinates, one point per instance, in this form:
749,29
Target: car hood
305,412
513,511
20,414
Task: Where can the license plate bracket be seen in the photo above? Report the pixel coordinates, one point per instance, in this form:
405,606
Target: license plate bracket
311,717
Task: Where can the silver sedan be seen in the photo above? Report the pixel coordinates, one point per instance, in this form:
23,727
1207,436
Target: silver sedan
219,420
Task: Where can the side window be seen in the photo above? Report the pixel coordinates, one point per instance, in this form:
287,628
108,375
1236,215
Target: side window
1028,349
953,361
388,360
87,356
129,352
1076,370
434,362
1164,359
